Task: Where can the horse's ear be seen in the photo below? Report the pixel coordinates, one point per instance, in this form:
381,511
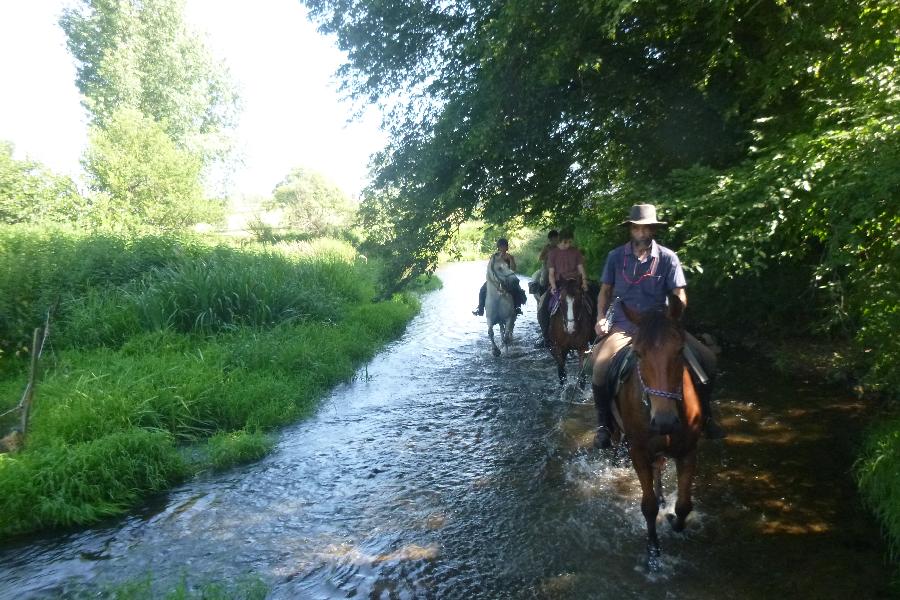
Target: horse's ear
676,307
633,315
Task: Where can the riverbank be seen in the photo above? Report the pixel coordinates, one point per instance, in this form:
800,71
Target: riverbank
169,356
876,468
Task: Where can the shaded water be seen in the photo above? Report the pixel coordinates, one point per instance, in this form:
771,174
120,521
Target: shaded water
443,472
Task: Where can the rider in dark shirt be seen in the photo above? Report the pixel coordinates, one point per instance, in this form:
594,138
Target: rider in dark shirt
640,274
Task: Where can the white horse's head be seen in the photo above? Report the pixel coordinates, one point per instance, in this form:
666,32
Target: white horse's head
499,273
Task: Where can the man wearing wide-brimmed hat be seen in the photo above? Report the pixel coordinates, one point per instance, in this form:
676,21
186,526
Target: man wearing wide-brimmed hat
641,274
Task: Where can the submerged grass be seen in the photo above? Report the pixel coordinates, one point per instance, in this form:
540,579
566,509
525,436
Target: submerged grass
145,588
156,348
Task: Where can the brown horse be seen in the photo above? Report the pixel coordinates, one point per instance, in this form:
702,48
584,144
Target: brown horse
571,328
658,412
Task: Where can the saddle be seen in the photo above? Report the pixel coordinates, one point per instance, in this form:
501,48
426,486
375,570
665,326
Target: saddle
624,360
620,366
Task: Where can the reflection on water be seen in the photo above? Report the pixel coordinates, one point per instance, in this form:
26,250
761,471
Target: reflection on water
448,473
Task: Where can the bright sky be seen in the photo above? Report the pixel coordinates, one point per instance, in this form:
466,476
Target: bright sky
292,112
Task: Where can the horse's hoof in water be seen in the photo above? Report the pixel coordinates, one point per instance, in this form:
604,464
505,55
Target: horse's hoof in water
676,523
653,561
602,440
496,351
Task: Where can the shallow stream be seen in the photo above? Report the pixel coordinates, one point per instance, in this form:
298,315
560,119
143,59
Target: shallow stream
443,472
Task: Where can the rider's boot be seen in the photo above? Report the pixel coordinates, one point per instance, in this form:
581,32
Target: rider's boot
543,317
518,309
482,295
711,429
604,417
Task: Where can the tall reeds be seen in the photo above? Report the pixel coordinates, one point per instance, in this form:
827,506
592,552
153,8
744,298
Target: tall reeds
162,342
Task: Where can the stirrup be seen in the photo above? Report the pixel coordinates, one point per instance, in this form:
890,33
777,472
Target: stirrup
478,312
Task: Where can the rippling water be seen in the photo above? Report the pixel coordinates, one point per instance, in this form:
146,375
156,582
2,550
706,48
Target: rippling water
443,472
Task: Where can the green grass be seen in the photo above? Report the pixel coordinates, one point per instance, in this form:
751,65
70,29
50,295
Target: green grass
878,475
228,448
75,484
161,345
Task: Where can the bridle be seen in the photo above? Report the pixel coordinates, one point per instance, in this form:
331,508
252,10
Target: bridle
647,391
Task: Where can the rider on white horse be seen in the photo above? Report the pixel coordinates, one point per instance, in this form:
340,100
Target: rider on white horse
519,293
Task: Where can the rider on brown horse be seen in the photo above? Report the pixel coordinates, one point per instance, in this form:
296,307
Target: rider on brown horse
563,262
640,274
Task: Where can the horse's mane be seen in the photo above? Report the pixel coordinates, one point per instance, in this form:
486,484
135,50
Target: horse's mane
656,329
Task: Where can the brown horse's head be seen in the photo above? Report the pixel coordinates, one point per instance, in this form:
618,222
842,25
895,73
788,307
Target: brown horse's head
658,344
574,312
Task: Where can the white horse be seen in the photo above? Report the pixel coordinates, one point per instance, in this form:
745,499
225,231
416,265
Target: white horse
499,305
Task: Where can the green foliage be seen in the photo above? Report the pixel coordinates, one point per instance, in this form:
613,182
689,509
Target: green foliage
140,56
29,193
425,283
878,474
474,240
312,204
468,243
534,108
43,268
141,178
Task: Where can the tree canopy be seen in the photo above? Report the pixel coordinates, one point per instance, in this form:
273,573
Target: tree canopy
29,192
141,55
146,180
161,108
534,107
313,204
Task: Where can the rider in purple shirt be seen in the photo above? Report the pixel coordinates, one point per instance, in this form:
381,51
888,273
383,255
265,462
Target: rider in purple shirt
640,274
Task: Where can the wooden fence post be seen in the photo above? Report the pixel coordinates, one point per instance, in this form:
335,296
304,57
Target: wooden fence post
36,347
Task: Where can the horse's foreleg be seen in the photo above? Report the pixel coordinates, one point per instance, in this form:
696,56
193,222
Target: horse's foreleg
560,357
686,467
643,465
658,467
582,376
507,335
495,350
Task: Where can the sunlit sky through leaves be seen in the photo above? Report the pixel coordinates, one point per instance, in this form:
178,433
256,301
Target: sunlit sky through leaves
292,113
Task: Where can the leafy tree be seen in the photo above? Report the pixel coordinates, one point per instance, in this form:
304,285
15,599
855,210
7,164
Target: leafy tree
31,193
534,108
141,177
313,204
140,54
